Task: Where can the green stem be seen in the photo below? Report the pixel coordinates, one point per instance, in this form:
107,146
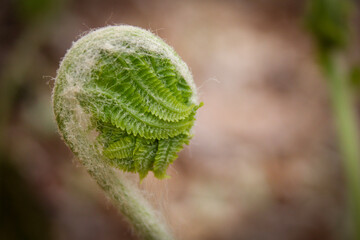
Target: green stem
128,200
347,132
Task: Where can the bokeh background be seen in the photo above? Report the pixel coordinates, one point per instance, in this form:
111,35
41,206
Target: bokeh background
264,162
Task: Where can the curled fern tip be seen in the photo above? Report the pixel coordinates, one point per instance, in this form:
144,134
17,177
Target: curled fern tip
124,93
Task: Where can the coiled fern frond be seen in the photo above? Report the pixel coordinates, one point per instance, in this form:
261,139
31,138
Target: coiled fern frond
132,97
123,98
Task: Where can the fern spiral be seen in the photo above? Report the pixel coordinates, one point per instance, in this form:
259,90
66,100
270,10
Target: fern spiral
137,94
123,98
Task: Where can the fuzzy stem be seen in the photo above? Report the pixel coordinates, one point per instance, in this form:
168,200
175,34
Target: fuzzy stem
128,200
347,132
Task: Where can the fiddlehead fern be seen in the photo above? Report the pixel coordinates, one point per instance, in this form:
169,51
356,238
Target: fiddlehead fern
124,99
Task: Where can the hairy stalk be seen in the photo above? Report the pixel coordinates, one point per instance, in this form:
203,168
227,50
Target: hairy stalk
347,132
124,99
147,224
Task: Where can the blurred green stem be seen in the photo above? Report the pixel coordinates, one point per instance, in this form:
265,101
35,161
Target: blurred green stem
347,132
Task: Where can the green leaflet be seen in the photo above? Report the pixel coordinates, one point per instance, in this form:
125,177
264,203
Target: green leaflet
123,148
143,110
109,133
132,119
144,156
167,153
167,74
146,81
138,154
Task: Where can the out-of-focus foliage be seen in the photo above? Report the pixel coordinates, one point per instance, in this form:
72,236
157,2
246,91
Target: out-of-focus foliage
355,76
29,10
327,20
21,216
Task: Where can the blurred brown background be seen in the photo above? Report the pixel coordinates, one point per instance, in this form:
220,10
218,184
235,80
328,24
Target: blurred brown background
263,163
